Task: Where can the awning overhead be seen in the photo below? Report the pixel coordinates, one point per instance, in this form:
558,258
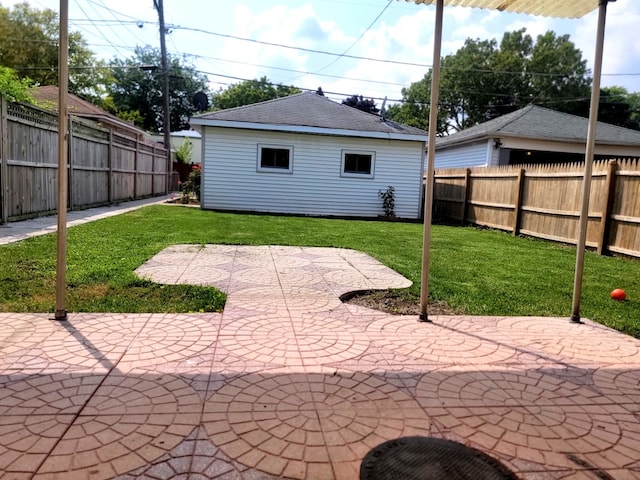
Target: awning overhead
546,8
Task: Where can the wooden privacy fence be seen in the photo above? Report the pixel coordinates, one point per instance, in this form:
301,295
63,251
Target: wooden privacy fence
545,200
104,166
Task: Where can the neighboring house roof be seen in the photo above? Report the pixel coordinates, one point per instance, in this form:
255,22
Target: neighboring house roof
309,113
186,133
542,123
47,96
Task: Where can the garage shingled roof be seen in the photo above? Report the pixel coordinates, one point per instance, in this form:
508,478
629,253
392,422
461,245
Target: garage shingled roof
308,109
537,122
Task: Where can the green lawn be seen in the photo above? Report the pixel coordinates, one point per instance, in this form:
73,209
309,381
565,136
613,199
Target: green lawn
474,271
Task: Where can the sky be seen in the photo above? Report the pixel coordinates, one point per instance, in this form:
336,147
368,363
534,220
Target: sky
347,47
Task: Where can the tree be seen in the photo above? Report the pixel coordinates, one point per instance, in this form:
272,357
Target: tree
484,80
250,91
136,93
366,105
13,88
617,108
30,47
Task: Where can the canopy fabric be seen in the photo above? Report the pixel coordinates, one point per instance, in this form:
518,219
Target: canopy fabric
546,8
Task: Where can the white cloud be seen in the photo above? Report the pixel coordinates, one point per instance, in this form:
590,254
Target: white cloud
621,49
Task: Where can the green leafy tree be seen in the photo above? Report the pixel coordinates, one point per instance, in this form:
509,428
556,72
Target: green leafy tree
484,79
184,151
617,108
30,46
13,88
364,104
634,102
250,91
137,94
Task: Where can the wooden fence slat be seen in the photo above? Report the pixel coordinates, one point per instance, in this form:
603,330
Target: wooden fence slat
100,167
491,204
465,193
624,218
4,158
544,201
518,202
609,188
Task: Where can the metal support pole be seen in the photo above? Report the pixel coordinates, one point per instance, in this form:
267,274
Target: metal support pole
431,148
588,163
63,81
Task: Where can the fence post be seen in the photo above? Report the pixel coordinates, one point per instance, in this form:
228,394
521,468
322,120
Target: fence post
609,198
135,170
4,154
517,214
70,163
110,166
465,195
153,170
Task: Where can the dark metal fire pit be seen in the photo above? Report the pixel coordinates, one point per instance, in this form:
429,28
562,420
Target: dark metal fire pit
426,458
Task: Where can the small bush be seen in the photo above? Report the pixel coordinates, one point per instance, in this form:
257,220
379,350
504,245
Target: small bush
388,200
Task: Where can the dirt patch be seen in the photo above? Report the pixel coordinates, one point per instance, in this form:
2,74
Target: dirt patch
397,303
178,201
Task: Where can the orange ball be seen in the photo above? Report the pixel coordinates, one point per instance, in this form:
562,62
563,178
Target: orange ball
618,294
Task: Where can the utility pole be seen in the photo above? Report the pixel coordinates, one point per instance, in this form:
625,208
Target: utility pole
166,120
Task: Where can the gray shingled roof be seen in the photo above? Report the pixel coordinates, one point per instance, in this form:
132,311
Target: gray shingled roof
308,110
541,123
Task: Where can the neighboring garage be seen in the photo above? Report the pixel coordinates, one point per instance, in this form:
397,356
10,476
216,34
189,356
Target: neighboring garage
305,154
533,135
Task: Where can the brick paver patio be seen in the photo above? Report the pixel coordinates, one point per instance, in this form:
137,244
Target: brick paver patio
289,382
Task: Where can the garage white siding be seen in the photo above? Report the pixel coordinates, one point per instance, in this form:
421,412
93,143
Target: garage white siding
470,155
231,180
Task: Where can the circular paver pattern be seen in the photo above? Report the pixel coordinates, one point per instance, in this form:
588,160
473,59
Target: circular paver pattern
541,434
173,338
257,276
261,299
143,394
310,300
25,441
598,350
434,344
290,261
464,388
205,275
291,278
23,331
272,423
276,343
104,446
59,393
620,383
265,325
128,422
321,323
254,257
545,325
330,347
524,414
271,349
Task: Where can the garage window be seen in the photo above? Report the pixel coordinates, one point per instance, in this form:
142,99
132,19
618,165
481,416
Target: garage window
275,158
358,164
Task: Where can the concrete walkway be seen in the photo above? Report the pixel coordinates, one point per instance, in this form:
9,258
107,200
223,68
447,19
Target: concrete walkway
289,382
16,231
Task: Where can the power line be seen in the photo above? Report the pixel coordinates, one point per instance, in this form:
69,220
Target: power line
359,38
357,57
96,28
